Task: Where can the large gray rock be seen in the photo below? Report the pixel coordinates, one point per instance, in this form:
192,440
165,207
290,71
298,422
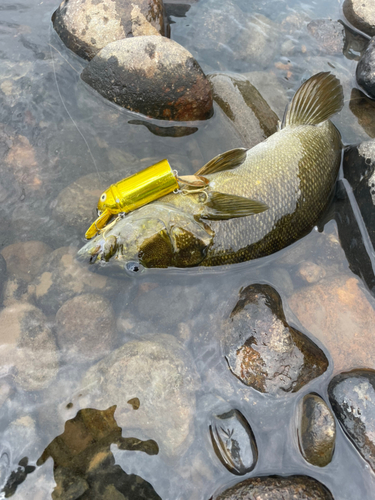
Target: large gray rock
249,113
352,396
151,75
365,71
86,26
263,351
161,374
361,14
277,488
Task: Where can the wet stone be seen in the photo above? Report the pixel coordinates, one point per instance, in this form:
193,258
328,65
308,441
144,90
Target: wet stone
316,430
361,14
85,327
365,71
352,396
161,374
86,26
329,34
363,108
28,346
3,276
277,488
25,259
311,272
271,89
151,75
249,113
263,351
234,442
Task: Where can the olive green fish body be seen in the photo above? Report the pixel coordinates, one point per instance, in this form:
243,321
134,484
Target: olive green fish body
293,173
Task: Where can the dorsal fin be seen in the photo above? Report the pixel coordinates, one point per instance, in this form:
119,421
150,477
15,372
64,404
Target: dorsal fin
320,97
224,161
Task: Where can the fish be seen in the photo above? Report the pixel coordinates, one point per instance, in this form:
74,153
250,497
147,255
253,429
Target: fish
256,202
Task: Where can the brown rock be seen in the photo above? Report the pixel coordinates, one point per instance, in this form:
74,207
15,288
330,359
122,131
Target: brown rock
85,327
340,313
361,14
151,75
311,272
86,26
363,108
28,346
24,260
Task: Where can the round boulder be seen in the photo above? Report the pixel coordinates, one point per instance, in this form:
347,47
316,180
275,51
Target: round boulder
86,26
361,14
365,72
151,75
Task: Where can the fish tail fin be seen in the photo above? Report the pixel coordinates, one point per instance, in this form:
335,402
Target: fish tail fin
317,99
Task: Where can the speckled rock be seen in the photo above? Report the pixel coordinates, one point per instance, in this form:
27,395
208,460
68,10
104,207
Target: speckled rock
329,34
361,14
63,278
85,327
352,396
277,488
316,430
151,75
340,313
28,347
161,374
86,26
365,71
263,351
25,259
249,113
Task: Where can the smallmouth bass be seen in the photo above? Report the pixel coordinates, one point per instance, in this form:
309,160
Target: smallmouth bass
256,202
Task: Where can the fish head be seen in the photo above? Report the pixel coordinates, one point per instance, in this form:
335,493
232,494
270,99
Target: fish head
108,200
156,235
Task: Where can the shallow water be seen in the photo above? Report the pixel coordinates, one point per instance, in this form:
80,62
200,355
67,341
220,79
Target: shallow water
68,131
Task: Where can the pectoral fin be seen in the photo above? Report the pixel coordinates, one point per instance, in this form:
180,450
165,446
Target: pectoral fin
225,161
220,206
98,224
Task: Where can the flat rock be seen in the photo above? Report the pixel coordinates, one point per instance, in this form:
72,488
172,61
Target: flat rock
361,14
161,374
25,259
263,351
340,313
28,346
316,430
151,75
365,71
86,26
85,327
352,396
249,113
329,34
277,488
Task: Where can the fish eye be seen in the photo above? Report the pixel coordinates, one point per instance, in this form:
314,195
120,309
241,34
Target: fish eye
133,267
103,197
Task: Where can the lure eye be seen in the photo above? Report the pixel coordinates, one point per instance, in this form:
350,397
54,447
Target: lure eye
99,212
103,197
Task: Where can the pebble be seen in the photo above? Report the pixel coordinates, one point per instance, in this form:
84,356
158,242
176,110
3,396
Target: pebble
311,272
151,75
86,26
28,346
277,488
234,442
316,430
24,260
263,351
161,374
85,327
352,396
361,14
340,313
249,113
365,71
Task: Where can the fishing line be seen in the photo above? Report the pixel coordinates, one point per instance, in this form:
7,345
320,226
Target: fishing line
62,100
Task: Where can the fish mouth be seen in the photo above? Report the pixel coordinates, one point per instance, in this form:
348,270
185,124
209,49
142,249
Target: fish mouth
154,236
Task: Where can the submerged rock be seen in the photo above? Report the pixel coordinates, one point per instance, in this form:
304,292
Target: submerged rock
263,351
277,488
363,108
352,396
85,327
234,442
316,430
151,75
160,373
329,34
340,313
28,346
365,71
249,113
86,26
25,259
3,276
361,14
